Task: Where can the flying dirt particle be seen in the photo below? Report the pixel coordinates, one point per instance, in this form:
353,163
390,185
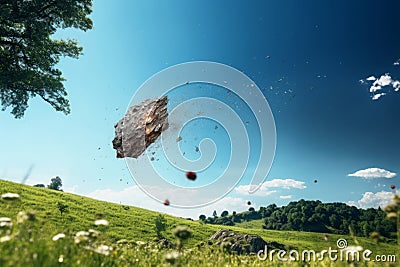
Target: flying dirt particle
152,158
195,139
249,203
315,181
267,57
153,152
393,186
197,149
247,122
120,180
98,148
187,82
166,202
179,139
191,176
216,127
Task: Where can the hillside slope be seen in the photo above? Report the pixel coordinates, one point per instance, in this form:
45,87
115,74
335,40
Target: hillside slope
125,223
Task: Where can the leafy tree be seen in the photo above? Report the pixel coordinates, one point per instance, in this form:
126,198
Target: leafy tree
202,217
215,215
55,183
28,54
160,225
39,185
251,209
62,207
224,213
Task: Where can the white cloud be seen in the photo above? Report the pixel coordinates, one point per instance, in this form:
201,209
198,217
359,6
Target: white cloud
384,80
374,88
265,188
380,83
134,196
371,173
373,200
286,197
396,85
377,96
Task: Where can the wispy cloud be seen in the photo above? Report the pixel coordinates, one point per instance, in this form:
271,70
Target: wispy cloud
266,188
286,197
372,173
373,200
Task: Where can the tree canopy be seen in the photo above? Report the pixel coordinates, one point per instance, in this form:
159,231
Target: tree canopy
28,54
55,183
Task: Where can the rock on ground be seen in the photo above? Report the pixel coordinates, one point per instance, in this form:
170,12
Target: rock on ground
242,244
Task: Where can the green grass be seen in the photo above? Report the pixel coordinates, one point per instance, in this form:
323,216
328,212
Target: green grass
253,224
32,244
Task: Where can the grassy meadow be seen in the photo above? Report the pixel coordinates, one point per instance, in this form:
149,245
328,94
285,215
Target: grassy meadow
39,235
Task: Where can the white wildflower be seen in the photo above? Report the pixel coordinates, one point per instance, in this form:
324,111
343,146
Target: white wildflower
101,222
5,222
58,236
81,236
103,249
5,238
61,258
10,196
94,233
172,257
21,217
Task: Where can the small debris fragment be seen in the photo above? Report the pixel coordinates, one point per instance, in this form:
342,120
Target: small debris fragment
179,139
191,176
393,186
166,202
248,203
197,149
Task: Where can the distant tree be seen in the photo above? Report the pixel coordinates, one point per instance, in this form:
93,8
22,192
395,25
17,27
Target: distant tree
224,213
62,207
55,183
202,217
251,209
233,213
29,53
215,215
39,185
160,225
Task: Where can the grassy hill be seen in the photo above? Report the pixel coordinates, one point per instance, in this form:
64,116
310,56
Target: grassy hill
128,240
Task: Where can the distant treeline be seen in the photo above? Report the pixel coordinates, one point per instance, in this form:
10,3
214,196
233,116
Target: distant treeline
314,216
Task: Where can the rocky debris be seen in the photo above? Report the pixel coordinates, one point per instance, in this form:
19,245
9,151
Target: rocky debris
140,127
242,244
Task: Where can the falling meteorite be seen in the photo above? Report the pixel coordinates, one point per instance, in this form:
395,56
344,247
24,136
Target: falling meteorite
140,127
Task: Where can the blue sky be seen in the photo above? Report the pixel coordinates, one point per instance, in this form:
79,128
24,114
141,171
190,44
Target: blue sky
307,57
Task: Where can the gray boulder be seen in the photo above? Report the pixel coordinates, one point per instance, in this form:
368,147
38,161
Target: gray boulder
242,244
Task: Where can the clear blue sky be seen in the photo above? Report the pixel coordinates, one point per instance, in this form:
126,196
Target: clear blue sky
308,56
